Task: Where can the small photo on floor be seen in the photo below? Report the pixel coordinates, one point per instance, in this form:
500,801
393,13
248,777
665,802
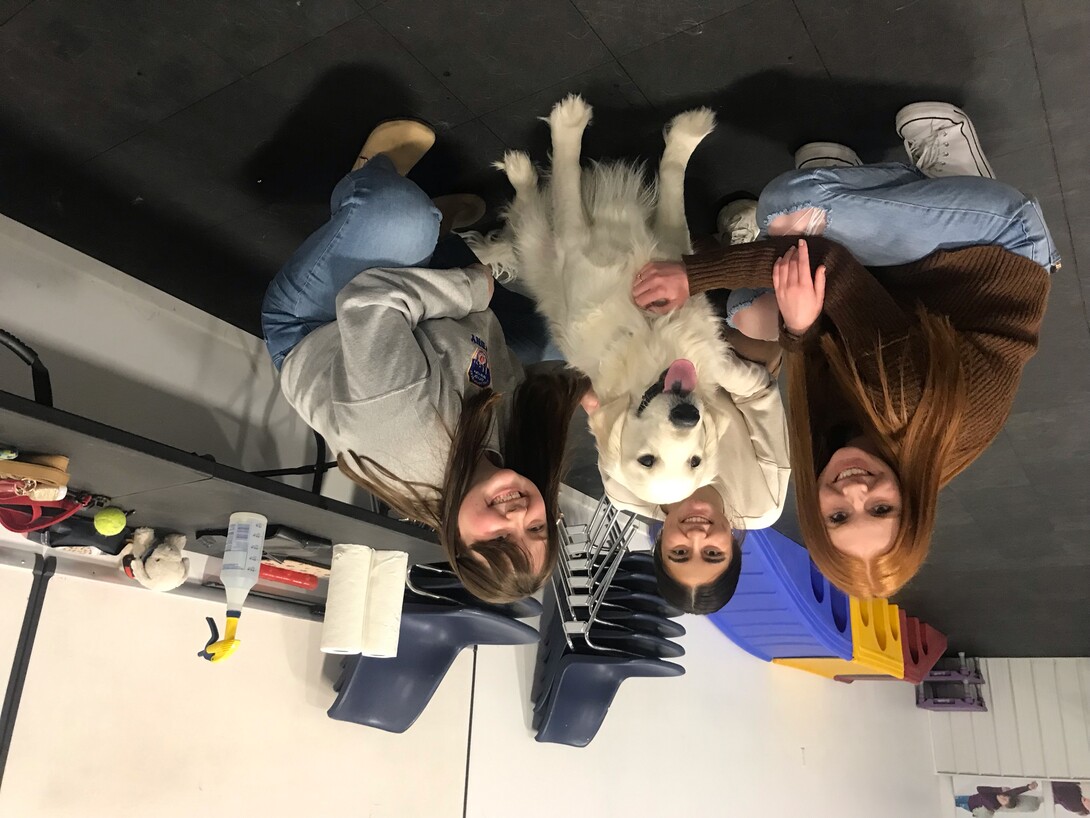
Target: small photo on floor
983,797
1070,798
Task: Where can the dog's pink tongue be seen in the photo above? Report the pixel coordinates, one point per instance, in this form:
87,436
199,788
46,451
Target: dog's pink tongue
681,376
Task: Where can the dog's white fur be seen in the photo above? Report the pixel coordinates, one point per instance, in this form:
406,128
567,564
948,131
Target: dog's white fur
577,243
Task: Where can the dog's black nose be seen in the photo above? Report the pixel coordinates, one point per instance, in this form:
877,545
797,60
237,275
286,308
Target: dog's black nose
685,415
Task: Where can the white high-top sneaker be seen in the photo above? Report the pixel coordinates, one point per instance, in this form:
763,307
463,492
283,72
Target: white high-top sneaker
737,222
826,155
941,140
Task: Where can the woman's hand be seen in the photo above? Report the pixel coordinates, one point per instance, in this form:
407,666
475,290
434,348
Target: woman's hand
799,295
661,287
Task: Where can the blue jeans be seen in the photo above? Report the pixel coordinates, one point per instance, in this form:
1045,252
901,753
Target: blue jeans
378,218
892,214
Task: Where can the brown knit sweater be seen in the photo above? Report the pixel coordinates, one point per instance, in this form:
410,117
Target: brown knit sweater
995,301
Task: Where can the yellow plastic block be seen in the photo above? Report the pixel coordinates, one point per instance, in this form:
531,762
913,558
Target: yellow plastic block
829,667
876,645
876,636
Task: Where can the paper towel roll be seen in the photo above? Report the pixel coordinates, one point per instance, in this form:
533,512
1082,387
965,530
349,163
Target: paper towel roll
385,598
346,603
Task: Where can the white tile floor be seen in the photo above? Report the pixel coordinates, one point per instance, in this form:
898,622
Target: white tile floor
120,718
734,736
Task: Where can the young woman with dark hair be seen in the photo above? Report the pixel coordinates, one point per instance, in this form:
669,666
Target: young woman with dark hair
698,553
406,372
901,372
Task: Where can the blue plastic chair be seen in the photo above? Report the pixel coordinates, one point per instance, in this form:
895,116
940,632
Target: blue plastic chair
390,694
582,692
446,584
645,603
634,581
634,646
622,642
641,561
783,607
639,622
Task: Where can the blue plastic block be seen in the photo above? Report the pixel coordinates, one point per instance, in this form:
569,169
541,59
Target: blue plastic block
784,607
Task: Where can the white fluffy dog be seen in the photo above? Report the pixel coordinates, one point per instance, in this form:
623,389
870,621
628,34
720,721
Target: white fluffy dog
577,243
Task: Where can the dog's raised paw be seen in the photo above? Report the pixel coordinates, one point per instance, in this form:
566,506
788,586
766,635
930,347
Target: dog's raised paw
692,125
570,112
519,169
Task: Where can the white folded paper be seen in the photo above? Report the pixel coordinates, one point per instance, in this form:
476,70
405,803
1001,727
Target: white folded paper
363,607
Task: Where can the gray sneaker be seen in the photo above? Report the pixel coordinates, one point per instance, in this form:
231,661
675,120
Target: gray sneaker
737,222
941,140
826,155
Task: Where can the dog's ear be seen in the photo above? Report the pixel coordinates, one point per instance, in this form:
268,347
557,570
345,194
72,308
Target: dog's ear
606,423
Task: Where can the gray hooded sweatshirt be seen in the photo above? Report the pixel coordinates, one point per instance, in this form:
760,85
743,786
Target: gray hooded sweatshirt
386,379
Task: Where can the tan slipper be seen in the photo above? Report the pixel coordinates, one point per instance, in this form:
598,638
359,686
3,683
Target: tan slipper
43,469
403,141
460,210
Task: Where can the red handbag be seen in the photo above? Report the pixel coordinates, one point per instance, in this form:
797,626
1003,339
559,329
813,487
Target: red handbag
20,514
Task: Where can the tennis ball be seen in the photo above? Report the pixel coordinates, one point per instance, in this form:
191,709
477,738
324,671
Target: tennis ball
110,521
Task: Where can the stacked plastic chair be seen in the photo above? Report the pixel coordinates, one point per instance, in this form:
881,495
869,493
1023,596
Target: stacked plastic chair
604,622
439,620
784,611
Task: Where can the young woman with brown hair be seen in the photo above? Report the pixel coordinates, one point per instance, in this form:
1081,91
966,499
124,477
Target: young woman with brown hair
405,370
901,372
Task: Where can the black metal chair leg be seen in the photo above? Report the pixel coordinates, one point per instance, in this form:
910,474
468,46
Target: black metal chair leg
43,387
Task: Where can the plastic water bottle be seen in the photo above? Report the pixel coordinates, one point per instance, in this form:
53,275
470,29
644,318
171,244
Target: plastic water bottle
242,558
238,573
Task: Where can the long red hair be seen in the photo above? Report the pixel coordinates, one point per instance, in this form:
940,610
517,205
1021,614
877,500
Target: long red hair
916,437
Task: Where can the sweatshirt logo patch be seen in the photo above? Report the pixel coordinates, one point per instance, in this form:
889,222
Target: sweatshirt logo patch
479,373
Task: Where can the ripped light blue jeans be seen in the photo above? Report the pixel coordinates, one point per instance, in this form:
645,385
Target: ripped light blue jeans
379,219
892,214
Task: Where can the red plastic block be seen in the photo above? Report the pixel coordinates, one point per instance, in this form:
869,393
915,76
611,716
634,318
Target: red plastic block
923,646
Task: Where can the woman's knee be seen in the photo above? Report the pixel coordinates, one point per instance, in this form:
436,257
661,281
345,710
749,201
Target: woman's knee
1027,233
399,215
810,221
395,203
788,195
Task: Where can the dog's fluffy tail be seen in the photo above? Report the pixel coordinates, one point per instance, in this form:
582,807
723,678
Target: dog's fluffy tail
682,135
495,250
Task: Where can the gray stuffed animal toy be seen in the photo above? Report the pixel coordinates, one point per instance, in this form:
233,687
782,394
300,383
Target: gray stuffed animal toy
158,566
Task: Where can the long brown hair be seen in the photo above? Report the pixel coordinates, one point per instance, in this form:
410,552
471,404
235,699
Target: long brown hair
534,446
916,436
